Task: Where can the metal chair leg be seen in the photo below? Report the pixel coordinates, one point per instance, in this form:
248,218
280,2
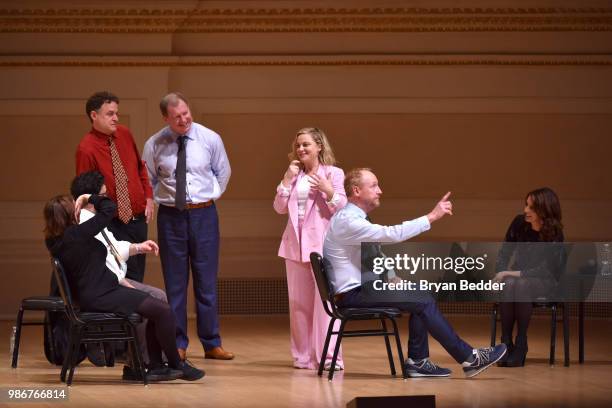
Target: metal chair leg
388,345
68,355
398,342
75,355
493,324
553,335
137,357
332,367
566,335
330,329
581,332
17,337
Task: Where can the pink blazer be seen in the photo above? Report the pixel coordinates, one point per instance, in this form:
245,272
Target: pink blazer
316,217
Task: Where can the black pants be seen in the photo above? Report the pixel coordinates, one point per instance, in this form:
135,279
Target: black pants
135,231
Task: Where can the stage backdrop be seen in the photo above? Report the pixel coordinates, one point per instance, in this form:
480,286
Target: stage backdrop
487,99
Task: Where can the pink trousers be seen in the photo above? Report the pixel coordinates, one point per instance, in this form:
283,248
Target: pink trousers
309,321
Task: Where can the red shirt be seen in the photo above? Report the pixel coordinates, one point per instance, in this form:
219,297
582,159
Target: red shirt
93,153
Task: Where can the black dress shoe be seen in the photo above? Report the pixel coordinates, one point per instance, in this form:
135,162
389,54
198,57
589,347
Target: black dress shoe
519,354
129,374
503,362
164,374
95,354
190,373
153,375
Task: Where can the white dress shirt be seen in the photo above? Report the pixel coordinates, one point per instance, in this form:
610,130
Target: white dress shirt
122,247
348,228
208,168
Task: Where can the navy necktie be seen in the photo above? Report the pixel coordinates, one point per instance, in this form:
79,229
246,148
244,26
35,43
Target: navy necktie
181,175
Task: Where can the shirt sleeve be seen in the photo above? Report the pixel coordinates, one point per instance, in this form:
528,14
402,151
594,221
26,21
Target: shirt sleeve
142,172
149,163
338,199
281,200
356,230
219,162
105,212
85,161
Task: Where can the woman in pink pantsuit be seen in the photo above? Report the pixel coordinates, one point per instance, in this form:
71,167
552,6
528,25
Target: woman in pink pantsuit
311,192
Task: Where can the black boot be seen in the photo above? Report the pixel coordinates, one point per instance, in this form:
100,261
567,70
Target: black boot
510,347
518,355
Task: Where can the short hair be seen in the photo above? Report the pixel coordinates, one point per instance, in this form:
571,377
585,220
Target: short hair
172,99
86,183
95,102
59,215
353,179
326,155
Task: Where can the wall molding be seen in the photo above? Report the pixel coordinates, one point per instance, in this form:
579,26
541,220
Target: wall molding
312,60
311,20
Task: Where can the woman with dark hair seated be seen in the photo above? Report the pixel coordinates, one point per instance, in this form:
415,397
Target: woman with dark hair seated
535,269
96,289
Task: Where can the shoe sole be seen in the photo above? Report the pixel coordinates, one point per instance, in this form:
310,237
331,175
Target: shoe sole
193,379
485,367
419,375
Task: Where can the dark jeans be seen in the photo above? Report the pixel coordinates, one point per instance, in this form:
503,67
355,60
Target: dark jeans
425,317
135,231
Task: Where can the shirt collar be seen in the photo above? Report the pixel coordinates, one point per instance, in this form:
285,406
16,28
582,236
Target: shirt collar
356,210
174,136
101,135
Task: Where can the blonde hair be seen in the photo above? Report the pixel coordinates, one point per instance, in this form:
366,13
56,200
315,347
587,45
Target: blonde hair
326,155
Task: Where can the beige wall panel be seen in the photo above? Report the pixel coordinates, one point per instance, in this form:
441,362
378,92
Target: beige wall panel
390,43
476,156
392,81
38,153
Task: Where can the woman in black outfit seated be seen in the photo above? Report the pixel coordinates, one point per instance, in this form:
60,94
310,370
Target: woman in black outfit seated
535,270
96,289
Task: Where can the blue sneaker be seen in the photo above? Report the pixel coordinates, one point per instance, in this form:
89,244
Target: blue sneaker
425,368
482,359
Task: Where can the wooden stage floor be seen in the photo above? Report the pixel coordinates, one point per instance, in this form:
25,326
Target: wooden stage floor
262,375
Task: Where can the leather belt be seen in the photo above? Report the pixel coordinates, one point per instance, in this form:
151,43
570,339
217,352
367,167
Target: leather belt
338,297
193,206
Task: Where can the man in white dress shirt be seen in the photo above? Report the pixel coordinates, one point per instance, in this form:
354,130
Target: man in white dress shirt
342,249
189,170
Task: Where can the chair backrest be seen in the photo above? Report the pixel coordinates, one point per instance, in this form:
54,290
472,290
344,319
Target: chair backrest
64,289
320,273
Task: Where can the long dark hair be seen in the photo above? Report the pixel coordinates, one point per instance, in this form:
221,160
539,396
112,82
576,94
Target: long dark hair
546,205
59,215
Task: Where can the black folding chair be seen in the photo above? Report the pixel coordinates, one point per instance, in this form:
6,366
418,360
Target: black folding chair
344,315
86,327
38,303
553,306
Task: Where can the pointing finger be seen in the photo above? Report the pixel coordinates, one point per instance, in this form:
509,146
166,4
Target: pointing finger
445,198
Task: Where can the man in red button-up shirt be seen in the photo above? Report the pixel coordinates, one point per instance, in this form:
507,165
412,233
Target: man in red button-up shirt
94,153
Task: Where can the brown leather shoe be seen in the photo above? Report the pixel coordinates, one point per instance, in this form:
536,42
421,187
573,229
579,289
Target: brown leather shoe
182,354
218,353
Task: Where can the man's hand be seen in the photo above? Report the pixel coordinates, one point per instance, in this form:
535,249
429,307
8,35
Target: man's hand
148,247
149,210
443,207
